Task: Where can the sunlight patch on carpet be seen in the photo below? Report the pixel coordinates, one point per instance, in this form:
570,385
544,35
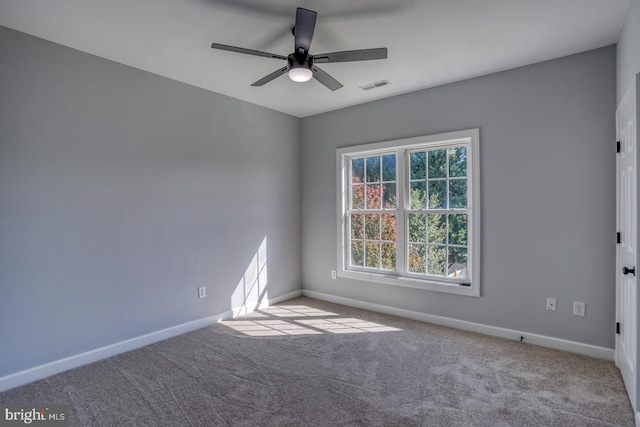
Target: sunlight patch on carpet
301,320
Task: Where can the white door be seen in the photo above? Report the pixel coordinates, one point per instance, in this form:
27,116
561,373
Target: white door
626,283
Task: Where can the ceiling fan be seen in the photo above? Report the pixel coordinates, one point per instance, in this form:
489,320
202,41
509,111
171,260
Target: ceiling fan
301,65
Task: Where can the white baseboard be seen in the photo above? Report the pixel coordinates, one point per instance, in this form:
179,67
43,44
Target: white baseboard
243,309
285,297
33,374
541,340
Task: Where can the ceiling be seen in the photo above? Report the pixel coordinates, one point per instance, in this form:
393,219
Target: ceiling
430,42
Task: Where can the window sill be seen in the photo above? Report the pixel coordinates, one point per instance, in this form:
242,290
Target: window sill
410,282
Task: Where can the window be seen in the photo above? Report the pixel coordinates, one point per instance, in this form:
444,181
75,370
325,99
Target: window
408,212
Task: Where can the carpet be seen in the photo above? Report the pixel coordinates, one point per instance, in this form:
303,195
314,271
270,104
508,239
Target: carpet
306,362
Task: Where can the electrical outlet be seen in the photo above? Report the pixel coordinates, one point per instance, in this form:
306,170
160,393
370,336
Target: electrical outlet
551,304
579,308
333,274
202,292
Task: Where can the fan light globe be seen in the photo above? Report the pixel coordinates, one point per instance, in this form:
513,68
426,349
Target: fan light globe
300,74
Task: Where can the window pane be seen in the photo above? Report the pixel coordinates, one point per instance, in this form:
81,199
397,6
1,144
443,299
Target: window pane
357,226
373,196
437,194
458,193
417,258
372,254
357,254
437,228
357,170
418,195
417,228
458,229
389,168
438,164
357,196
389,196
436,259
373,169
457,263
372,227
417,165
457,161
389,256
389,227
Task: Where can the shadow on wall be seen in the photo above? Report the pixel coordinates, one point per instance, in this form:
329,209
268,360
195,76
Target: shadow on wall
251,292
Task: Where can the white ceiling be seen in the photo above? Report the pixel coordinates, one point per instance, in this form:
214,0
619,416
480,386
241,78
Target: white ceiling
430,42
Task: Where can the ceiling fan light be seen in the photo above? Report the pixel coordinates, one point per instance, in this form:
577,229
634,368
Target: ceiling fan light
300,74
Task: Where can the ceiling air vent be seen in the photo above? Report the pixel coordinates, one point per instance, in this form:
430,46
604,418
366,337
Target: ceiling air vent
375,85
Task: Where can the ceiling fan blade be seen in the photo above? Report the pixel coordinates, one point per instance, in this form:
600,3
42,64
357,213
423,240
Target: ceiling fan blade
272,76
326,79
246,51
351,55
303,30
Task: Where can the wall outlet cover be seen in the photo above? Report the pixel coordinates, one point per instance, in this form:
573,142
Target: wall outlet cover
551,304
579,308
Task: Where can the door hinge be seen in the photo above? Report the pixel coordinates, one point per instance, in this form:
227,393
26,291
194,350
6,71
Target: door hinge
618,328
617,146
618,237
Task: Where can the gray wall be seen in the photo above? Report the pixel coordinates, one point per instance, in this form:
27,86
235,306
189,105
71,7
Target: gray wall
629,50
121,192
547,186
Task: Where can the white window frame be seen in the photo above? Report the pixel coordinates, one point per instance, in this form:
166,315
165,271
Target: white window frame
471,139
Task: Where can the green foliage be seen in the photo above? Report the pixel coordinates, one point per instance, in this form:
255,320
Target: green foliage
357,196
417,228
418,195
438,241
417,165
357,170
458,193
458,229
389,168
437,229
357,253
357,226
372,254
437,258
437,164
457,161
373,169
389,196
372,227
437,194
388,256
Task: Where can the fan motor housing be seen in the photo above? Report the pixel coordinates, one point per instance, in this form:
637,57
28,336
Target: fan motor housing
295,61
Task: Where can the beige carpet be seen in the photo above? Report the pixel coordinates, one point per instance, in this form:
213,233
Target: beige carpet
310,363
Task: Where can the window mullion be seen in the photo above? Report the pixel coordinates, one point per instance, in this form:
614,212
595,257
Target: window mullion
402,179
